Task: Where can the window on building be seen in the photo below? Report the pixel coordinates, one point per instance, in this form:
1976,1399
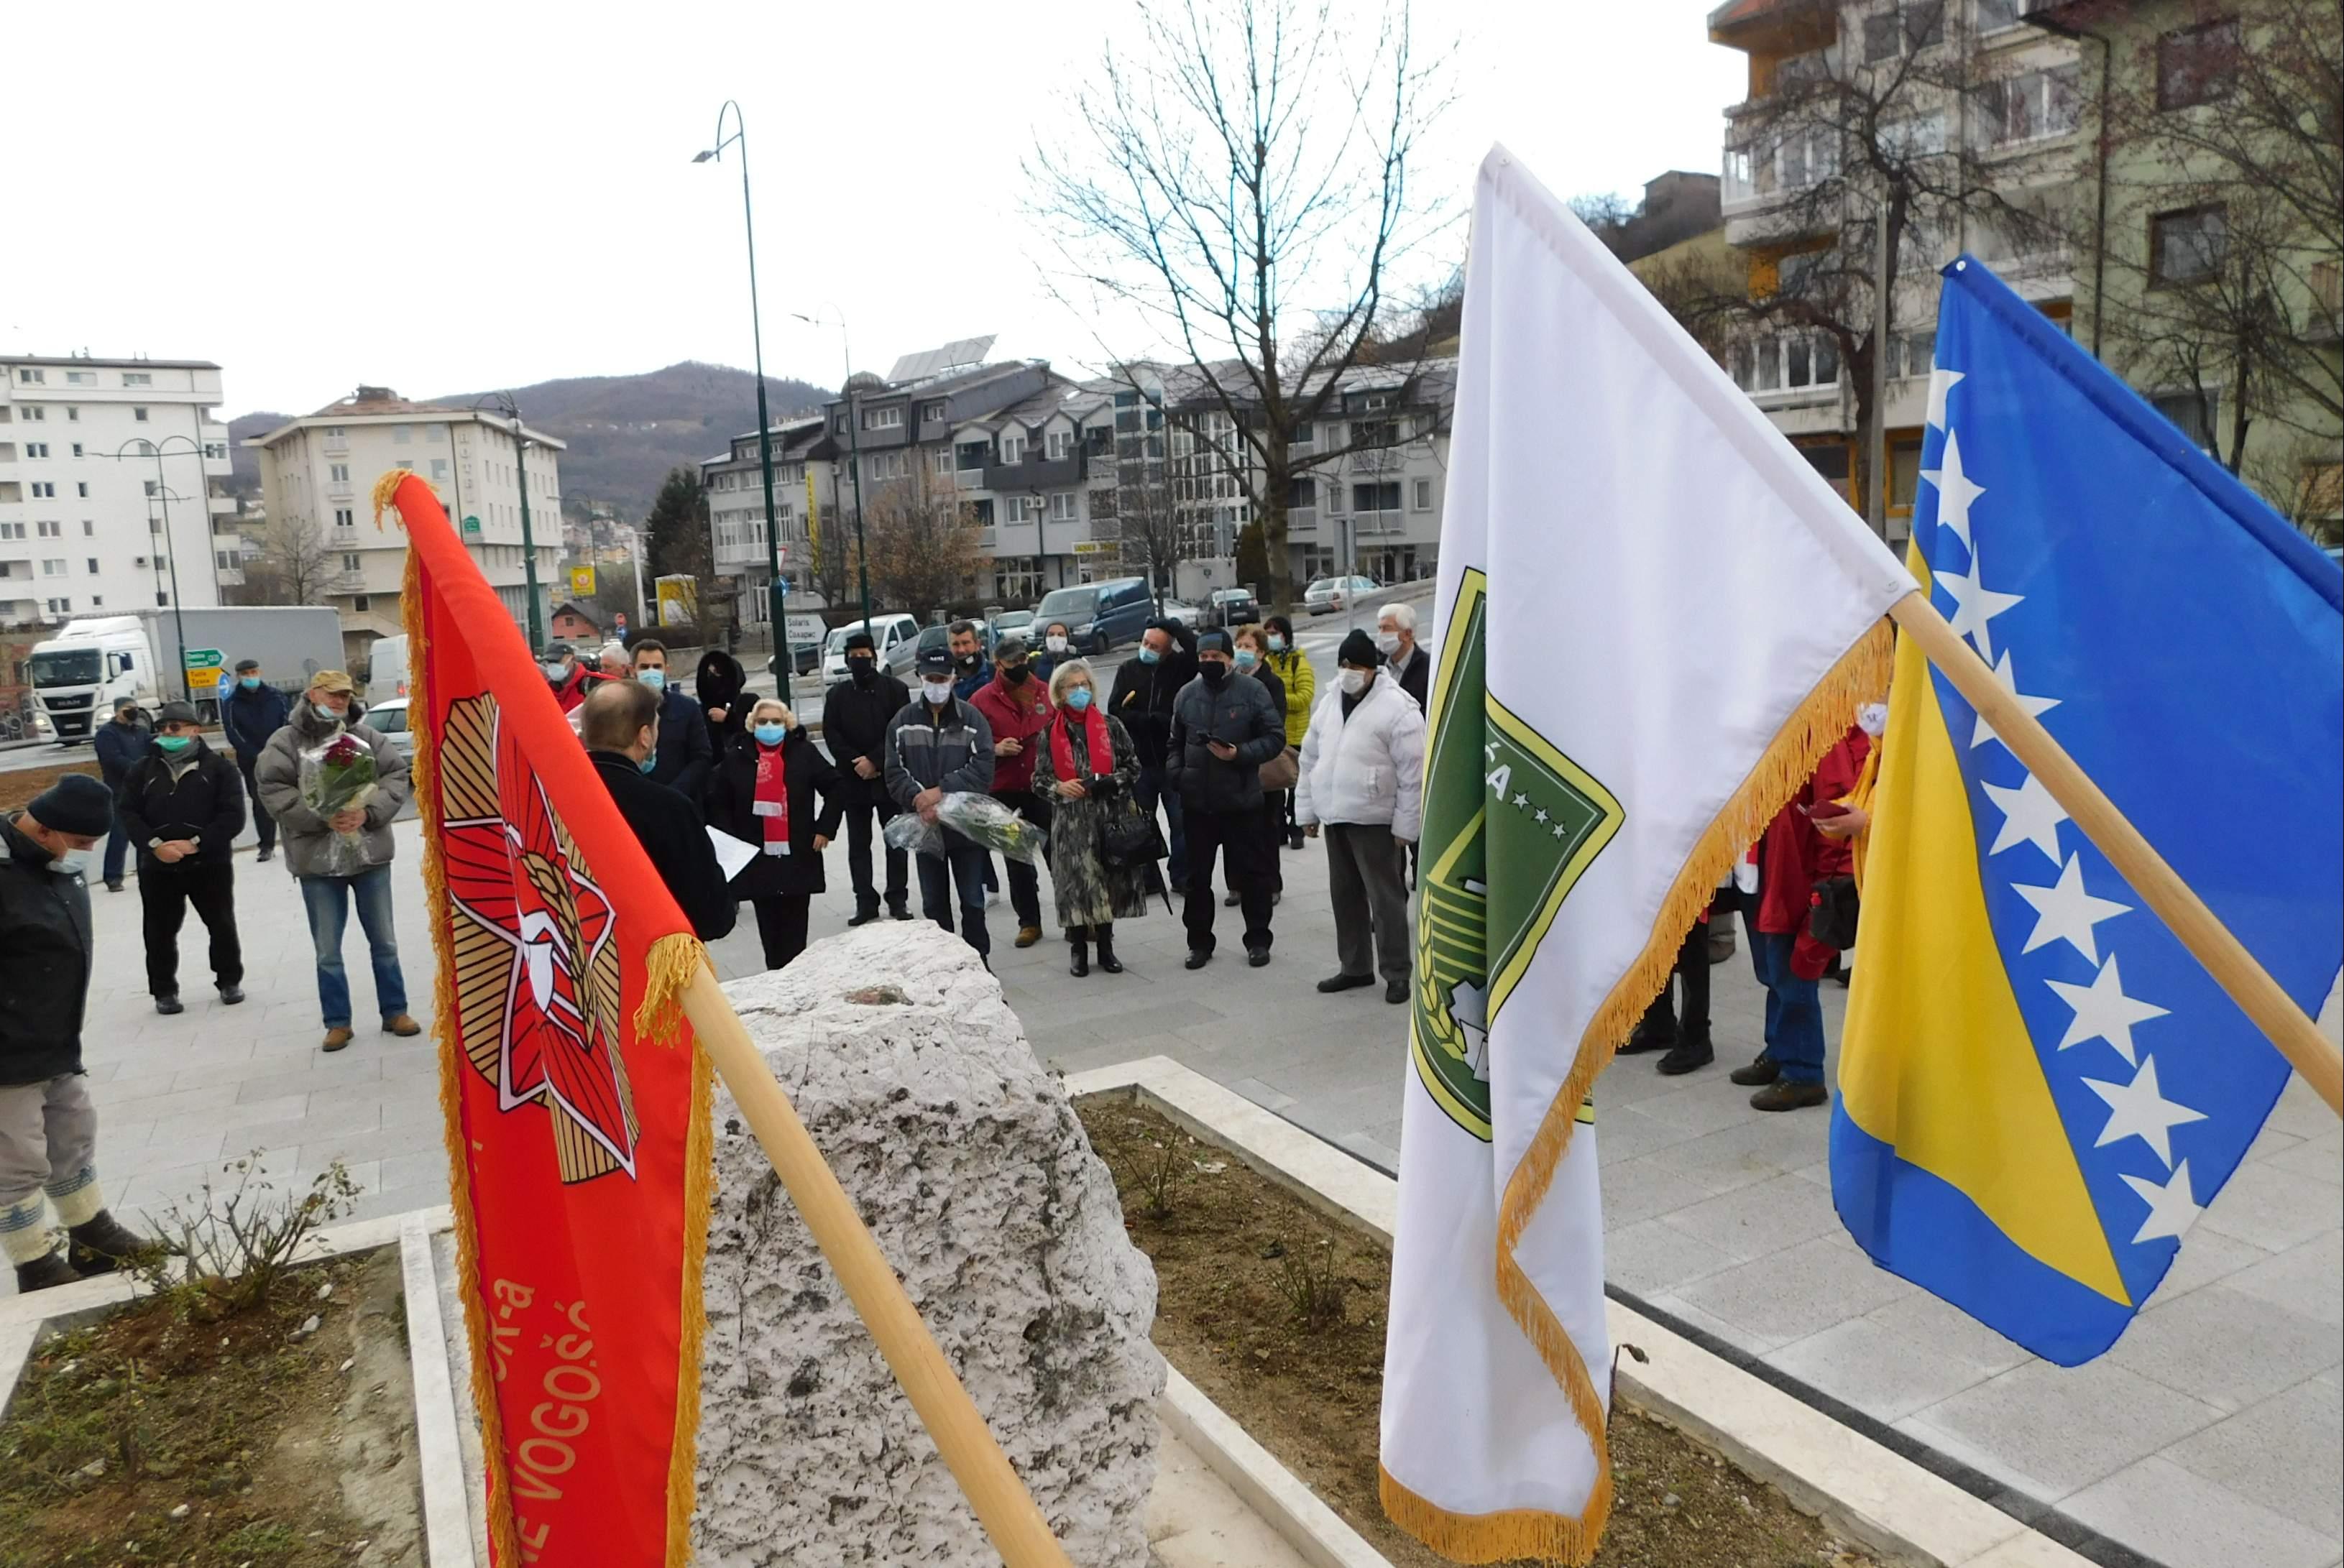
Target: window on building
50,530
88,528
1375,433
2025,108
44,490
338,473
81,378
63,605
439,469
138,414
933,414
1058,443
403,433
1375,498
2189,245
76,449
72,413
36,448
1013,448
890,418
2197,64
345,516
2195,414
361,603
1419,496
36,414
30,377
12,531
53,566
216,451
352,561
138,378
1904,471
435,433
1066,507
93,565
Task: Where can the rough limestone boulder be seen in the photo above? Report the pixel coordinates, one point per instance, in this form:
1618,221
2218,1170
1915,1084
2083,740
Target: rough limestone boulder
969,1166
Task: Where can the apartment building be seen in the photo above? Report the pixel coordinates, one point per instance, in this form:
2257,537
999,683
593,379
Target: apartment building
318,473
1966,90
806,496
113,477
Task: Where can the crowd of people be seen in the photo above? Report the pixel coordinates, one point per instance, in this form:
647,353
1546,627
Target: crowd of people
1208,755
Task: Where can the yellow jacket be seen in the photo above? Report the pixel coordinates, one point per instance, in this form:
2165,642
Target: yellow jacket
1293,668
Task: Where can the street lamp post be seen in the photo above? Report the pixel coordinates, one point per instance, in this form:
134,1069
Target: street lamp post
777,590
170,549
853,445
502,402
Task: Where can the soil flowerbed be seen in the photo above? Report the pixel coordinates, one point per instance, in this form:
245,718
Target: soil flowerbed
1277,1314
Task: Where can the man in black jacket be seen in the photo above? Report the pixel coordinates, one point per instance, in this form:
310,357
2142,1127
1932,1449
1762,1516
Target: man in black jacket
49,1128
1224,727
118,745
254,711
685,751
183,806
621,726
1145,689
855,714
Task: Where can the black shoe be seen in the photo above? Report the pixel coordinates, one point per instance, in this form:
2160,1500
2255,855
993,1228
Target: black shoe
1233,900
1256,957
1644,1041
169,1003
43,1271
1687,1055
899,914
1080,964
267,853
1108,962
1787,1095
101,1244
1760,1070
1197,959
863,918
230,995
1334,983
113,885
1396,992
1294,840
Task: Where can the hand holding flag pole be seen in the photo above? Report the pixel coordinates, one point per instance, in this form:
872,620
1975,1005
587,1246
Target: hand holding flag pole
2234,968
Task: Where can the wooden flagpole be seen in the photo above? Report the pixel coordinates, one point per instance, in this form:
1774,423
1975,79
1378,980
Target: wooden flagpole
2233,967
1003,1505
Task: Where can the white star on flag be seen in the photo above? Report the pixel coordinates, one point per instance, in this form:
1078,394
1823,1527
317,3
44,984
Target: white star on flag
2103,1011
2029,816
1974,604
2065,912
1955,491
2005,675
1940,383
2137,1110
2171,1209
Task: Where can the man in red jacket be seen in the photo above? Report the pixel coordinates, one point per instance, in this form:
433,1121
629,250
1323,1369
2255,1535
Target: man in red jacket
1017,706
570,678
1792,859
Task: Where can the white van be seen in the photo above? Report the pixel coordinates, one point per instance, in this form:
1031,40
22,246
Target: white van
896,636
387,669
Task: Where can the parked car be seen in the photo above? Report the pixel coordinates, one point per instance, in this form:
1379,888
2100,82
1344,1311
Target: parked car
897,638
1331,594
390,716
1100,614
1019,622
1231,606
1184,612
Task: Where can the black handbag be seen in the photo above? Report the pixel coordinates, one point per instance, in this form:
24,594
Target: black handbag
1130,838
1831,913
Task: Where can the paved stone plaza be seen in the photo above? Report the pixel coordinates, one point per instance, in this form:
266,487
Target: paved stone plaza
2209,1438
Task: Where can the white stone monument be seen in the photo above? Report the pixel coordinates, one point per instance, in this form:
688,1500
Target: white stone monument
969,1166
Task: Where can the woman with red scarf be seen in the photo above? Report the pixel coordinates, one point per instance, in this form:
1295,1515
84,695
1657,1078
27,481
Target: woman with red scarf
1086,765
763,793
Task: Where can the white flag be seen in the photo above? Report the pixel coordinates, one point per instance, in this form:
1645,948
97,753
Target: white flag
1655,618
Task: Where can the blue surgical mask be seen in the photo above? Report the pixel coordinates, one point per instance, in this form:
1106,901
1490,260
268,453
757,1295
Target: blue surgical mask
249,682
647,765
1276,643
770,734
1247,658
1079,699
654,678
173,745
553,670
1148,654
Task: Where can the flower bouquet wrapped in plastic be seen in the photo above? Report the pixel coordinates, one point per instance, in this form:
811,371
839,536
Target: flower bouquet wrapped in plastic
979,818
336,777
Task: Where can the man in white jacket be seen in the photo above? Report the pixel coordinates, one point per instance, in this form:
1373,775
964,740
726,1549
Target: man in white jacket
1363,778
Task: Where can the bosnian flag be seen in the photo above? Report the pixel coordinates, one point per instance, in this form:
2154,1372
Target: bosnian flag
1655,617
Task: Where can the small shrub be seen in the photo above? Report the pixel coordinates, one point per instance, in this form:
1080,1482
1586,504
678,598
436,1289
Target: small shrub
1158,1178
240,1243
1313,1289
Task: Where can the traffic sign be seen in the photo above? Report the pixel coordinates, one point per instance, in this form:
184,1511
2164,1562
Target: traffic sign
204,671
582,582
472,525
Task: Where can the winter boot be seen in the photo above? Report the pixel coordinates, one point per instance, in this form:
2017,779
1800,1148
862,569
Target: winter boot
102,1243
50,1269
1080,964
1108,962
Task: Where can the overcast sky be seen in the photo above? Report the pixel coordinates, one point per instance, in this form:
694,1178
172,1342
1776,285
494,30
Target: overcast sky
456,196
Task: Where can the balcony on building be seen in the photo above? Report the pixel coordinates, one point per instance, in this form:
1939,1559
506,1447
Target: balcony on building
346,582
1039,473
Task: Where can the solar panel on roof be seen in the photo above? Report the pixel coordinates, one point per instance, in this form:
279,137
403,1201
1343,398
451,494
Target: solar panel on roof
952,356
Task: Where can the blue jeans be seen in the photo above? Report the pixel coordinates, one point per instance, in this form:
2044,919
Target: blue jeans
1148,789
329,913
1795,1016
962,863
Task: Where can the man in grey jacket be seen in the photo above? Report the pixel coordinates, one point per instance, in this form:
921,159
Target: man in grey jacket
1224,727
940,745
328,709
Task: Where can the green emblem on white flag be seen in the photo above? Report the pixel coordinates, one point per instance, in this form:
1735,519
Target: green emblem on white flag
1496,793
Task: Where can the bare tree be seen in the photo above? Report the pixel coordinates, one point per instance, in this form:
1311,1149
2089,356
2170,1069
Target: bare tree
1249,165
921,540
294,566
1891,117
2224,233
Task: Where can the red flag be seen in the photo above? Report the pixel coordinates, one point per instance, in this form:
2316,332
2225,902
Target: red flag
577,1103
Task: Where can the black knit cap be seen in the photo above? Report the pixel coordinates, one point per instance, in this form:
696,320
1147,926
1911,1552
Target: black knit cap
860,639
77,804
1359,651
1214,642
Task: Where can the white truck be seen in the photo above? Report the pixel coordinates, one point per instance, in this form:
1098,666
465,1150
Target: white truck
93,661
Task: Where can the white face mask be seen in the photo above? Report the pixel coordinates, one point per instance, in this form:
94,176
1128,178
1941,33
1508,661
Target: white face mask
1055,644
1355,681
1389,642
74,862
1873,718
938,691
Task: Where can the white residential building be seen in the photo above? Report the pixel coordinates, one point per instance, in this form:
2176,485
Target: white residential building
319,471
113,487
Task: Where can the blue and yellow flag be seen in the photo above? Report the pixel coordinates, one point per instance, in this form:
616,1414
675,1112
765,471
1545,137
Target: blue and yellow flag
2040,1089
